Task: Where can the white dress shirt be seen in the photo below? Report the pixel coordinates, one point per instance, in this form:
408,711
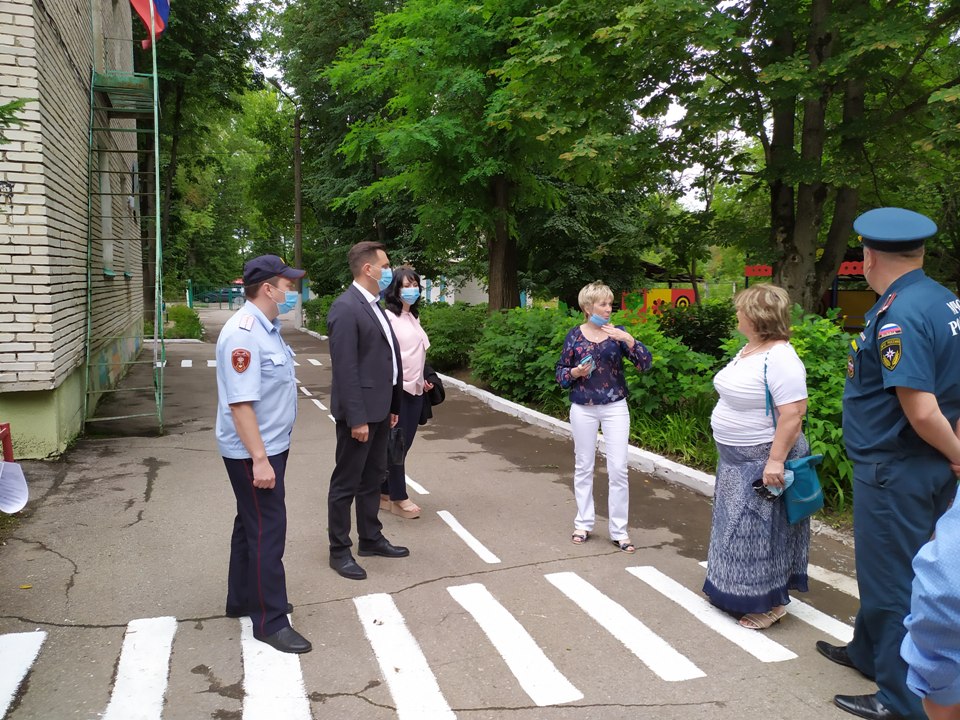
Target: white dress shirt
378,311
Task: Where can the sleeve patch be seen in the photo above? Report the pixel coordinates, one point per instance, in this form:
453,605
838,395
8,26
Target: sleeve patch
240,359
891,350
888,330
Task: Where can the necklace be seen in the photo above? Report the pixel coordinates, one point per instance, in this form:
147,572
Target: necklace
746,353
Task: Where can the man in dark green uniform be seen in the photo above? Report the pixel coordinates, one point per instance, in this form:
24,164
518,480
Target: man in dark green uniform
900,407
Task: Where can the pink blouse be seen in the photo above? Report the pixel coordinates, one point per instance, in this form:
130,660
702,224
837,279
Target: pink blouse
413,349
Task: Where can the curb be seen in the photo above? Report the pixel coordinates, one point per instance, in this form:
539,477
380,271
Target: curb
639,459
311,333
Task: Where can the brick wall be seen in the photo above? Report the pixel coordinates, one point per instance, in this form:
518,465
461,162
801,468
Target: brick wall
46,53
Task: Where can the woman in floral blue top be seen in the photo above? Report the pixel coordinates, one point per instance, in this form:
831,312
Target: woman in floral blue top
591,366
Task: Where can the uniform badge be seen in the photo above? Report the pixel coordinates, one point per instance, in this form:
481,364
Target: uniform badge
887,303
850,369
240,359
891,351
888,330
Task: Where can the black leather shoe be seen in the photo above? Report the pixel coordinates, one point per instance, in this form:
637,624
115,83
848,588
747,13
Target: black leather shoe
383,548
839,655
240,614
865,706
348,568
287,640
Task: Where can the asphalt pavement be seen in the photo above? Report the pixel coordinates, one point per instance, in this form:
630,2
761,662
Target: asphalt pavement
112,589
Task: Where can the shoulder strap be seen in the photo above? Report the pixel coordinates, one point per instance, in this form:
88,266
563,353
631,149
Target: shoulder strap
770,407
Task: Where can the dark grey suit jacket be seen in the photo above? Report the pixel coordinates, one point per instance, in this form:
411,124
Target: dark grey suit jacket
360,353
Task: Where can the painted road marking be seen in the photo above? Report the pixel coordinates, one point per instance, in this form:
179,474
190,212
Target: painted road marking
538,677
652,650
18,650
319,404
305,391
296,364
186,363
469,539
416,487
314,361
841,582
332,418
758,645
402,663
820,620
272,681
143,670
211,363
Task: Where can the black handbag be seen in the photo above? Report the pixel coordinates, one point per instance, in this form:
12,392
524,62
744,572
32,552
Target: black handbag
395,449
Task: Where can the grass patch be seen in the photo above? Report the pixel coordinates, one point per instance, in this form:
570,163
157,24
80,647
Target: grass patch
8,523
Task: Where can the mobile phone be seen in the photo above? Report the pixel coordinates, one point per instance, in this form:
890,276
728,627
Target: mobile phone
588,362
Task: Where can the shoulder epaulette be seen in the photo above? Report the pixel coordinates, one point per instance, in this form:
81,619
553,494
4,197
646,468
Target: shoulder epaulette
246,322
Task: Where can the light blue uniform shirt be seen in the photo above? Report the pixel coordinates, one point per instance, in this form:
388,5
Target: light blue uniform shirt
255,365
932,645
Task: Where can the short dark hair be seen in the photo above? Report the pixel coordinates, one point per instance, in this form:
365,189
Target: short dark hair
363,253
252,290
391,295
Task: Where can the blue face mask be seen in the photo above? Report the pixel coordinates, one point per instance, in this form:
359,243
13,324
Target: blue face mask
598,321
386,277
410,295
289,301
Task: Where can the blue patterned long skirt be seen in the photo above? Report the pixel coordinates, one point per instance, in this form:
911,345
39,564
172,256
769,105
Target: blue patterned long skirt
756,556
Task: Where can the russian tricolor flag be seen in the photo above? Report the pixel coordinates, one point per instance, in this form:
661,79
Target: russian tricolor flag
161,14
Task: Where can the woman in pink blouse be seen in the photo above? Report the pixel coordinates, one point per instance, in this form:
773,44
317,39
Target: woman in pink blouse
402,299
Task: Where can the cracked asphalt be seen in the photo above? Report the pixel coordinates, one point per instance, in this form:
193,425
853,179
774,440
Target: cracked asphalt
131,525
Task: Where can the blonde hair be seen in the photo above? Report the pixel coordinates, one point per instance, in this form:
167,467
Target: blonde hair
593,293
767,307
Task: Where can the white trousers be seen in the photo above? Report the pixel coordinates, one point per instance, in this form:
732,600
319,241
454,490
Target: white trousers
614,420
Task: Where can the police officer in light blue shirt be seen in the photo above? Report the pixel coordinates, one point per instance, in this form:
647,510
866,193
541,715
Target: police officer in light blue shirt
256,409
900,405
932,645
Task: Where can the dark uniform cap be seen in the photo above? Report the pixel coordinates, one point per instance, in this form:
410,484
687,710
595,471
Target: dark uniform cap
265,267
894,229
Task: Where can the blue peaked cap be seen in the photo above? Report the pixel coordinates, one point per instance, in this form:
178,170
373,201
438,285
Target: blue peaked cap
893,229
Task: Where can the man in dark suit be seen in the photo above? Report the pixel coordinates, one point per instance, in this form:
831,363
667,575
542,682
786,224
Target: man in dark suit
365,401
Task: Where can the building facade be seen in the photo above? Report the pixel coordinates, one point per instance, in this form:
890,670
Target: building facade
53,219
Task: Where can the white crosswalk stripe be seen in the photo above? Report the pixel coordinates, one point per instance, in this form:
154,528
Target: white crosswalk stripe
314,361
411,682
186,363
273,682
810,615
652,650
472,542
18,650
143,670
538,677
211,363
758,645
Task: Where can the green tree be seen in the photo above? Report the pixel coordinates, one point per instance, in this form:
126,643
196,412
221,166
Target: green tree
472,172
827,89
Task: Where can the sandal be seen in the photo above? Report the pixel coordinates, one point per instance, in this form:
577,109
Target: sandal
761,621
385,503
579,537
405,509
625,546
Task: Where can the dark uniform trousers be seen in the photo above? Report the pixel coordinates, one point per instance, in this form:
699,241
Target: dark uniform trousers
896,505
256,583
358,471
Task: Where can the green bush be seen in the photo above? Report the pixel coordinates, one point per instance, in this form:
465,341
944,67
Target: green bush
670,404
453,331
186,323
315,311
823,345
703,327
517,355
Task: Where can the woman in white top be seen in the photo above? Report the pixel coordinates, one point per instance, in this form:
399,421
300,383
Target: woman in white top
402,299
756,556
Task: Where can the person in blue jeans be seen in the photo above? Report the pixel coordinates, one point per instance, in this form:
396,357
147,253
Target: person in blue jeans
591,367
